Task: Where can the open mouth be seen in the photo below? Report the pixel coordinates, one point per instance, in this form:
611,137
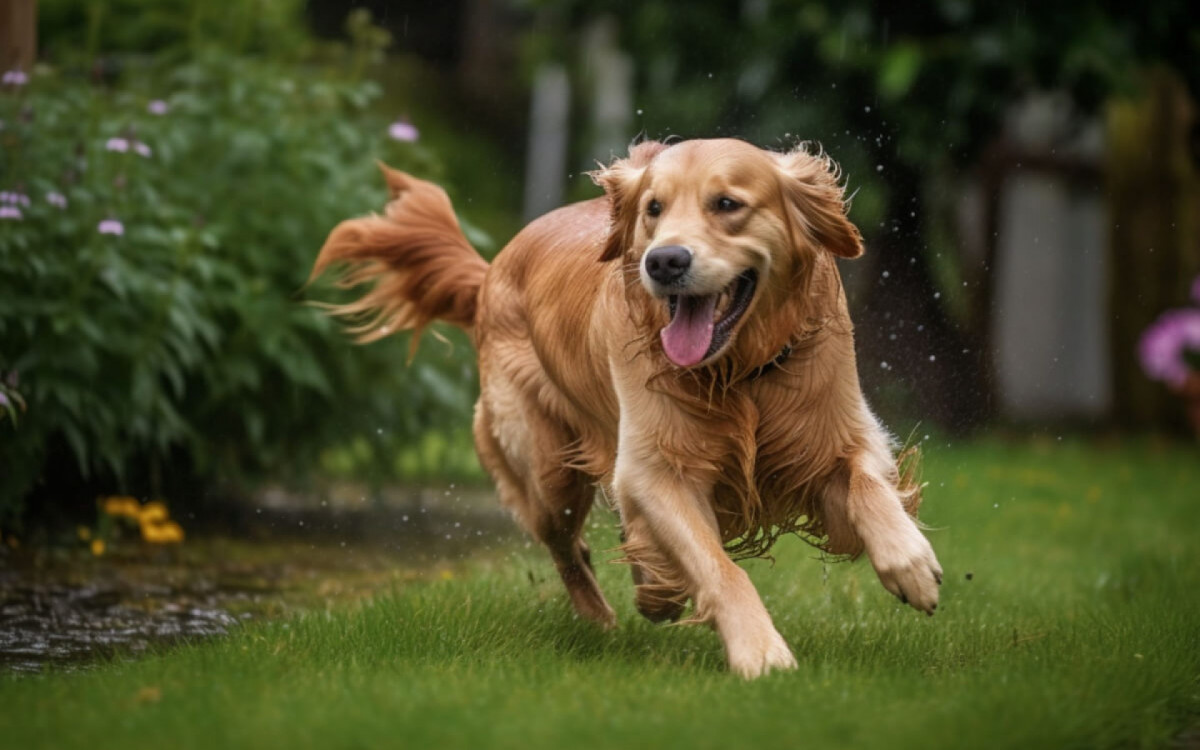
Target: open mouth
701,324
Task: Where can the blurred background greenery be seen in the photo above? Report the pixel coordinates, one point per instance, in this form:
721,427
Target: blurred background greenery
173,168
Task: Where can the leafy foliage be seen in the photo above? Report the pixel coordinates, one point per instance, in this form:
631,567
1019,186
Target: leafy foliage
152,288
115,27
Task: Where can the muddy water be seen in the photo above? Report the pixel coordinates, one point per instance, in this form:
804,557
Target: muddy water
63,608
59,623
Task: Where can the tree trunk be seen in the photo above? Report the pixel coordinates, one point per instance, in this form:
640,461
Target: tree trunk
18,34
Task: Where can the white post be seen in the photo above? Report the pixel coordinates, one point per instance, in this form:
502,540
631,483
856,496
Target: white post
546,157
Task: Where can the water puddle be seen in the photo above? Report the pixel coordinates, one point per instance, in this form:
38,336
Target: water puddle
43,624
64,609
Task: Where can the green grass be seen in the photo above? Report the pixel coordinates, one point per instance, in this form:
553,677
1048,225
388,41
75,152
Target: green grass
1079,627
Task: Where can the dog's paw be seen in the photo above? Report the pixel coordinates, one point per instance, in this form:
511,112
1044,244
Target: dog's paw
756,656
908,568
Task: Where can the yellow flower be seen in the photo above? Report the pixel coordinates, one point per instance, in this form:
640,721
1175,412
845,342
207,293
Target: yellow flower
164,532
153,513
84,533
121,505
97,547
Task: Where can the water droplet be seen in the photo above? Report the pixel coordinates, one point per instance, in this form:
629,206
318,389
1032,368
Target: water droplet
932,358
639,111
866,109
878,167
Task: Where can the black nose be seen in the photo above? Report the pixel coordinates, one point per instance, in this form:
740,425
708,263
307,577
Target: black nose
668,264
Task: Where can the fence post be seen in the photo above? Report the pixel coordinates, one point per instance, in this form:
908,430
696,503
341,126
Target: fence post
18,34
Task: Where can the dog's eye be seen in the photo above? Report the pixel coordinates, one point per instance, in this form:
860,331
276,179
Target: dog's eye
725,204
653,208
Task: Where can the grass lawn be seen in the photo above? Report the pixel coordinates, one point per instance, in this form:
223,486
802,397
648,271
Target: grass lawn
1070,617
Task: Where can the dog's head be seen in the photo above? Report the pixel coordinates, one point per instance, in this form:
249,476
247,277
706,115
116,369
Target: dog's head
720,231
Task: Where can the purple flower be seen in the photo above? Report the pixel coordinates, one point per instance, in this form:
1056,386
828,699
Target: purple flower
403,130
15,198
158,107
15,77
56,199
142,149
1167,345
3,399
111,226
117,144
11,213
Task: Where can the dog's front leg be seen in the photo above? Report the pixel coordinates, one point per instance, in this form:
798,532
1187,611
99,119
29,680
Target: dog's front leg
678,516
899,552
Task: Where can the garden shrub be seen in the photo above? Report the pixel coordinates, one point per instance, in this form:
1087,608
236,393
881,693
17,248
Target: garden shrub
153,262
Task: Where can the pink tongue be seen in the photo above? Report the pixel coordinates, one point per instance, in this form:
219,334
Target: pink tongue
687,338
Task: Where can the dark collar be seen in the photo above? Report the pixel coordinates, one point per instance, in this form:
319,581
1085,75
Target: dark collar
775,363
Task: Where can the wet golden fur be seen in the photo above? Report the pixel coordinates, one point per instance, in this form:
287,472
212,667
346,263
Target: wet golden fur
702,462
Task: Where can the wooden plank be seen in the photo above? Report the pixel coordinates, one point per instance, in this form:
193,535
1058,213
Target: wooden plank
18,34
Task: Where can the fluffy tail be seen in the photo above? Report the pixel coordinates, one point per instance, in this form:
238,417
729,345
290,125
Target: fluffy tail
416,255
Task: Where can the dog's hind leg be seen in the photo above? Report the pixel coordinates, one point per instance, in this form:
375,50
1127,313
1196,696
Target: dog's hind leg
660,592
570,496
551,502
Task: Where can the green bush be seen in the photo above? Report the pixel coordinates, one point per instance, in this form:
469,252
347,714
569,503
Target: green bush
67,28
152,271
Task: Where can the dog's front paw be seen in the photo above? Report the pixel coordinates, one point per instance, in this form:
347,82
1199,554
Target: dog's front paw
755,656
908,568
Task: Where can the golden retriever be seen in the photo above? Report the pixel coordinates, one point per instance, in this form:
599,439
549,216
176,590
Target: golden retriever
682,341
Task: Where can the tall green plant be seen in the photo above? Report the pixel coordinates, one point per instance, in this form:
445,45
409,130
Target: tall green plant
153,259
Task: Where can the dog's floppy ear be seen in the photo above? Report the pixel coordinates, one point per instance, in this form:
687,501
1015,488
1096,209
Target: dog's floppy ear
622,181
816,202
